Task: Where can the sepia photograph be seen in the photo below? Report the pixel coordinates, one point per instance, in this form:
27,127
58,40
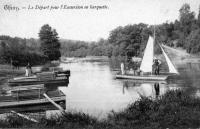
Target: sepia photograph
100,64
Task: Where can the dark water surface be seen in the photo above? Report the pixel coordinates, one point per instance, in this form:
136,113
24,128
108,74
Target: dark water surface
93,88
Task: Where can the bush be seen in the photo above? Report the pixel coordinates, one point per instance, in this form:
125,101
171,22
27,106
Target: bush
172,110
175,109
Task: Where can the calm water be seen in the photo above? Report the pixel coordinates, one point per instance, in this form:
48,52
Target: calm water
94,90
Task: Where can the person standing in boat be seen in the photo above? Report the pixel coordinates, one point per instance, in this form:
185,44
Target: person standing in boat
157,66
28,70
122,68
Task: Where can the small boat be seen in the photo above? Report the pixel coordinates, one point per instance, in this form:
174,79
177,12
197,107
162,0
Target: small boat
143,77
30,99
60,78
147,63
68,60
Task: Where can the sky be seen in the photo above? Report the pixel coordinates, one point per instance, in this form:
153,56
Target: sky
85,24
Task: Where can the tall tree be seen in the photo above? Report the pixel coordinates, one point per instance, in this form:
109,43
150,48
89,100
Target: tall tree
198,18
187,18
193,39
50,44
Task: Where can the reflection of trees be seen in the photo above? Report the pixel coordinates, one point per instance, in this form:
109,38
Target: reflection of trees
127,85
190,77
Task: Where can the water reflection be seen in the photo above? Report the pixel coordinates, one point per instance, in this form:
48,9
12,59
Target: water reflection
145,89
94,90
157,89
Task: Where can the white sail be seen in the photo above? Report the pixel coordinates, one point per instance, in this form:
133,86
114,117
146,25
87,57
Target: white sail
147,60
172,69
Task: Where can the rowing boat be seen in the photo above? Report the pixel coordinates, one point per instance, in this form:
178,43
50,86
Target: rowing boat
46,78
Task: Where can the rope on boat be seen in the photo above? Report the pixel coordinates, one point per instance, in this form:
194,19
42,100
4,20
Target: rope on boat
24,116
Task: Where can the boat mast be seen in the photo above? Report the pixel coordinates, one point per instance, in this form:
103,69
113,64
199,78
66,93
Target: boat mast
153,44
154,33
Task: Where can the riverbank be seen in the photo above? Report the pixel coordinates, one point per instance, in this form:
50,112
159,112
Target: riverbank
175,109
179,55
7,72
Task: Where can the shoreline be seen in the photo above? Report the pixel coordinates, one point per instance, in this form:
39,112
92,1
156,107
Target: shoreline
167,111
180,56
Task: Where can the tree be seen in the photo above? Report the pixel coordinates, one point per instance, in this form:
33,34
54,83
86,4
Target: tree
198,19
127,38
50,44
187,24
2,51
193,45
187,18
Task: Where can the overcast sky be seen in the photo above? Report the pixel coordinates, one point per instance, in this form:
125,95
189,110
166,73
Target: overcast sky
90,24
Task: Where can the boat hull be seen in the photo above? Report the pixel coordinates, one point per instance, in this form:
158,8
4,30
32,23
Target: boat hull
47,78
143,77
37,105
57,82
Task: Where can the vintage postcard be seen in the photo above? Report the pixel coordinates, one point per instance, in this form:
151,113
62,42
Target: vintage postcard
115,64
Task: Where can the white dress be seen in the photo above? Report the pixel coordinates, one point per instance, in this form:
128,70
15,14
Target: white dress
26,72
122,68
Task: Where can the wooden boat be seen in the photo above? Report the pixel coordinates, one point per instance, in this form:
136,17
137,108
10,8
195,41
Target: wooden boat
26,99
46,78
147,63
142,77
37,105
138,81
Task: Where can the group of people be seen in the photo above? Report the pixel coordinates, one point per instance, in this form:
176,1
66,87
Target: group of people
135,67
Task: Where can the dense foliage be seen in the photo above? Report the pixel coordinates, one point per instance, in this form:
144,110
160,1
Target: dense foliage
82,48
128,39
183,32
50,44
20,51
175,109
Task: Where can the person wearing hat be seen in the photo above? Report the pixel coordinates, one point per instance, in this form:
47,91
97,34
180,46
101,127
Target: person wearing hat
156,66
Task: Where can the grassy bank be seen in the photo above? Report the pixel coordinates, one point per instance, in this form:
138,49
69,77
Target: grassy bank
180,56
175,109
7,72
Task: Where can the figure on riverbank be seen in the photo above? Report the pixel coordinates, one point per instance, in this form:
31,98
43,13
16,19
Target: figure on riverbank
28,70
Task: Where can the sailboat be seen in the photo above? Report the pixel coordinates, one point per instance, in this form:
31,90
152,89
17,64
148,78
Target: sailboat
147,63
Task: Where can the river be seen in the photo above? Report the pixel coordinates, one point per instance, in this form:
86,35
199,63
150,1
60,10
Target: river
93,88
